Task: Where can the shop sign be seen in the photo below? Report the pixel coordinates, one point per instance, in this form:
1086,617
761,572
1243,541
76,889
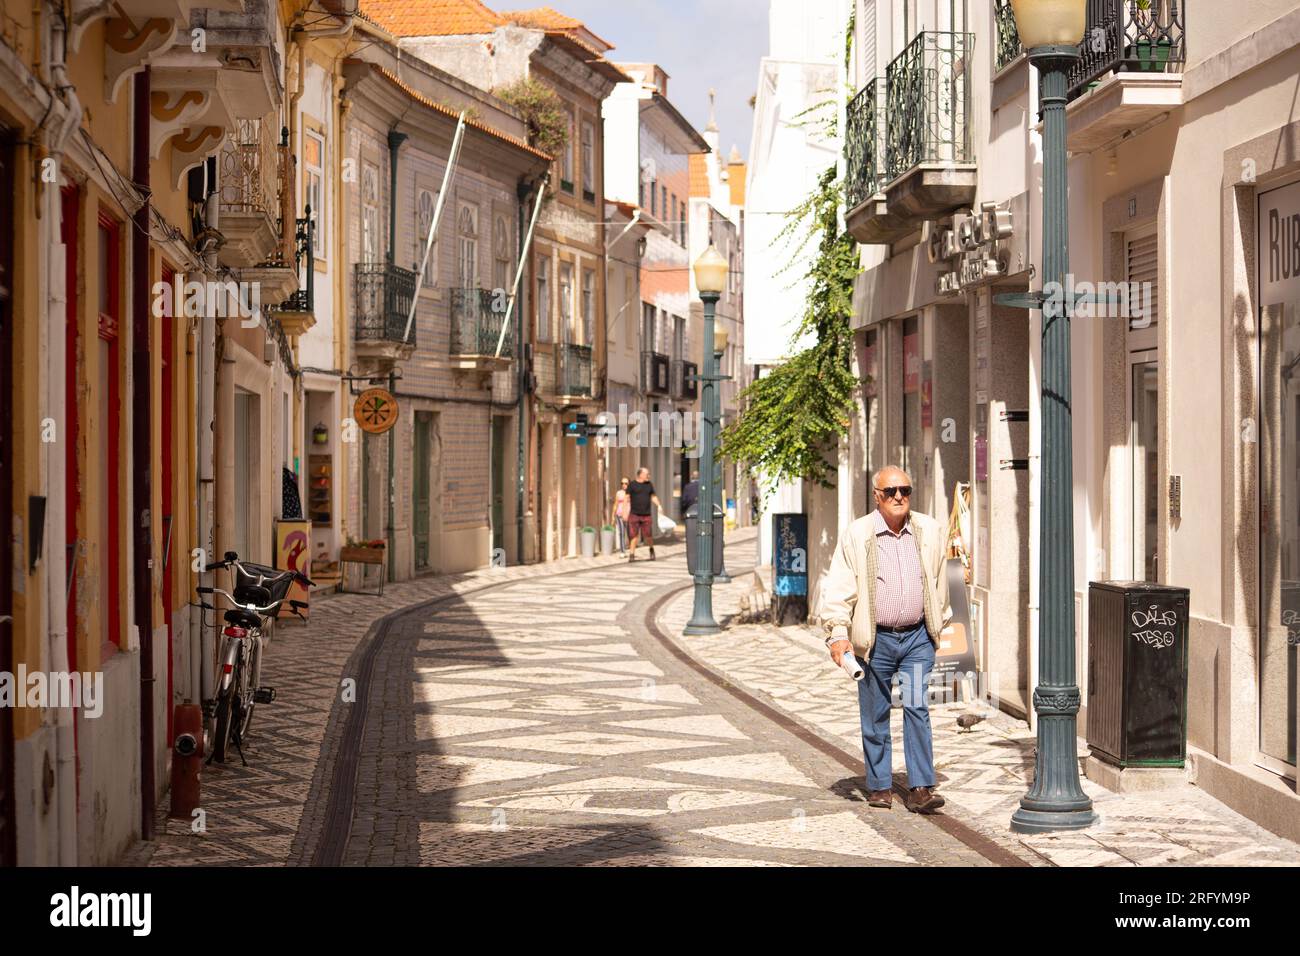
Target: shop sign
972,251
1279,245
375,410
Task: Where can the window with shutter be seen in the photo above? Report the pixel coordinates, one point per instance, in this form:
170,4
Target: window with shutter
1142,272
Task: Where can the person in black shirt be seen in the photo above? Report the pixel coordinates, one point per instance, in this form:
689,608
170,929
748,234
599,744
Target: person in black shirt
642,495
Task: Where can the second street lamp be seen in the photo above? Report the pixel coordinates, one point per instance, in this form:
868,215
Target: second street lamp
711,278
720,337
1051,31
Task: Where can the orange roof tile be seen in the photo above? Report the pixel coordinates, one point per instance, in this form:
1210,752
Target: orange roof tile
423,100
736,180
699,175
408,18
546,18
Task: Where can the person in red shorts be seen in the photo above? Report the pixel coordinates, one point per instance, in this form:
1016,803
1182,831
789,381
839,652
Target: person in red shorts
642,495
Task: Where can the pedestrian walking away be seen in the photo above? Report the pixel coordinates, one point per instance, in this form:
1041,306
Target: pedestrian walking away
641,496
885,600
691,492
622,508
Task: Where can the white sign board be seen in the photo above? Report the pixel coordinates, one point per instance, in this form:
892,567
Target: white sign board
1279,245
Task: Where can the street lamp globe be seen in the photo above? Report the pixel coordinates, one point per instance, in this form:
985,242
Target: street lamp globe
720,337
1049,22
711,271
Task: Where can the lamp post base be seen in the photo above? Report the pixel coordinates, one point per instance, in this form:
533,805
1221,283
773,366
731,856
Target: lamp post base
1046,821
702,621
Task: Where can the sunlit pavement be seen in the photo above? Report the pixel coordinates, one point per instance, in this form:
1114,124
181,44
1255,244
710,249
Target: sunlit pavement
552,714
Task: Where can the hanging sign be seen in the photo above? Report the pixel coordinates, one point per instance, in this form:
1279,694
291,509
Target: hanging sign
375,410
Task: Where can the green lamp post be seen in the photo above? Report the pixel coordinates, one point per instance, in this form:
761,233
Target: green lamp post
710,278
1051,31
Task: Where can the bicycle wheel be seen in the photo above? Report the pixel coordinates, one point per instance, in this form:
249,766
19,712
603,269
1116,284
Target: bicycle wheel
221,738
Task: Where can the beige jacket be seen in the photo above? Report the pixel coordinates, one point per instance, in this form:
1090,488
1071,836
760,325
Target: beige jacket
845,609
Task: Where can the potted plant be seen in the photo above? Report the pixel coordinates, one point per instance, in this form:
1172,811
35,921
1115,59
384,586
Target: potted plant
607,540
363,552
1149,60
588,542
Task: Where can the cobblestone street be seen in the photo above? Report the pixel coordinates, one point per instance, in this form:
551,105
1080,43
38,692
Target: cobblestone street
553,714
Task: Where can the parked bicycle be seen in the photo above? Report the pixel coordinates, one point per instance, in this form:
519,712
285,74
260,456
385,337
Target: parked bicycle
258,593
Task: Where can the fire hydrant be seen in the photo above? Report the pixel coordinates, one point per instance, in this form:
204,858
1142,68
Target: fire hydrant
187,759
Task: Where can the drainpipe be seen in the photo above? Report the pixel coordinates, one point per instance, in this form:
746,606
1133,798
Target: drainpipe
141,448
57,359
395,141
206,380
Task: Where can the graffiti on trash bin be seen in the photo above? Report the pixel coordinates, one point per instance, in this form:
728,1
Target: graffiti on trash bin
1290,620
1150,624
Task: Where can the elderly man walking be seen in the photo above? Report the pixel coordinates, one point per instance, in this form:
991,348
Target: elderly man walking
885,600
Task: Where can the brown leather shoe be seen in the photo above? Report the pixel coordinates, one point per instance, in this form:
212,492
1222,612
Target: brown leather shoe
923,800
880,798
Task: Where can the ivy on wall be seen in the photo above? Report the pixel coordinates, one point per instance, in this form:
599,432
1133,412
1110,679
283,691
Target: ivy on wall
793,417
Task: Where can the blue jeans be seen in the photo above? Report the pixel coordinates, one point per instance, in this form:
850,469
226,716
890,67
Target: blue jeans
911,656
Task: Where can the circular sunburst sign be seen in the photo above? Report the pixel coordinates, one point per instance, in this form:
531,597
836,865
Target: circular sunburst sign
375,410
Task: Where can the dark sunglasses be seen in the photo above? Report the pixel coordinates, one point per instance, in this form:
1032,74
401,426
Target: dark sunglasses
904,490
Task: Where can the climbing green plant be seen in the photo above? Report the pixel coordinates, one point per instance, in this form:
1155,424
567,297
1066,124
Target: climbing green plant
793,416
548,127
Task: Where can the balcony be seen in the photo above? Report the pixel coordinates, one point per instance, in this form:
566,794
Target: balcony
573,371
249,194
477,317
684,384
927,169
1129,70
655,373
297,309
1008,37
384,293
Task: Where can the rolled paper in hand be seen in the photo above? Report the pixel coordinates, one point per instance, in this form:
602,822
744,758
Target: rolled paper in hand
851,666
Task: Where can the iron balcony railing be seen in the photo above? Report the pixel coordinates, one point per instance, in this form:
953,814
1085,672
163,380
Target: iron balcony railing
304,261
863,155
656,372
1008,37
250,171
1133,35
574,372
477,316
927,102
383,301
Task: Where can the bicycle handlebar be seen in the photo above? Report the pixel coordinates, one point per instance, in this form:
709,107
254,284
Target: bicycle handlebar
232,559
244,607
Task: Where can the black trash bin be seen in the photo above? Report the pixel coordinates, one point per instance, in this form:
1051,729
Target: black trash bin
1137,673
692,538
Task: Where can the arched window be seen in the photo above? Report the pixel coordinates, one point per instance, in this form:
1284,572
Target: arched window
423,218
467,232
